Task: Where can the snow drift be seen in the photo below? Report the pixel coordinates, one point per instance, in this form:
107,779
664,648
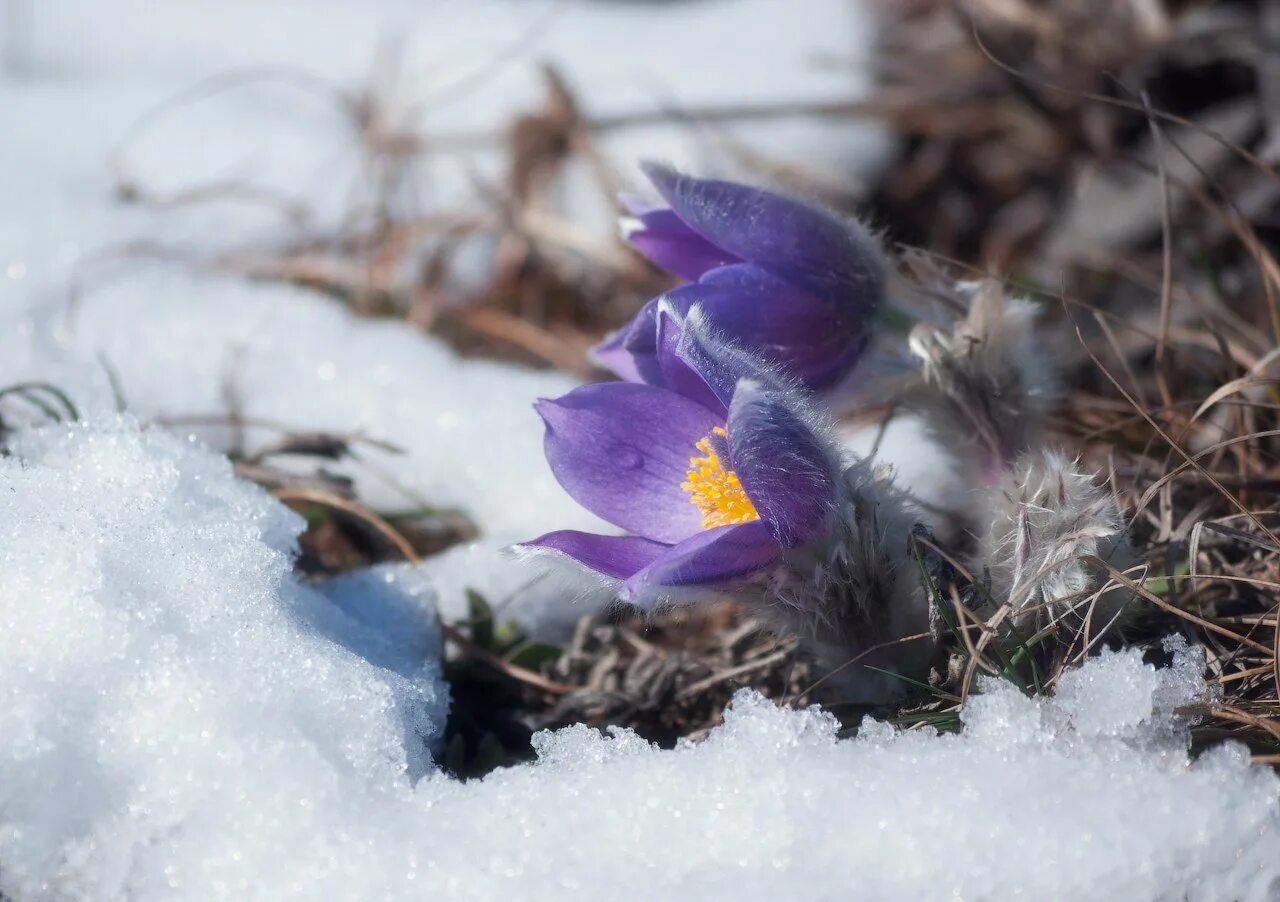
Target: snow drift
181,719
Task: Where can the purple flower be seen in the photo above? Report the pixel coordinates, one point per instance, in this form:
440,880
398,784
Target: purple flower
715,473
784,279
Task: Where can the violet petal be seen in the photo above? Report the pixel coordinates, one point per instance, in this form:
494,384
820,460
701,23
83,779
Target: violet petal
613,356
619,557
783,464
711,556
631,352
831,256
665,239
689,349
687,369
622,449
786,326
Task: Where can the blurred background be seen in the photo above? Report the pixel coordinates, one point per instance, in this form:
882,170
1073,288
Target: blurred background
429,160
458,164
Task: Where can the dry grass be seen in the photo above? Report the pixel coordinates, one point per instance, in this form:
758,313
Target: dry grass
552,287
1116,159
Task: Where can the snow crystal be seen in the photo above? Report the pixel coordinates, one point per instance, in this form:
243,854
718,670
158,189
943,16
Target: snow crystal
180,719
171,699
1032,800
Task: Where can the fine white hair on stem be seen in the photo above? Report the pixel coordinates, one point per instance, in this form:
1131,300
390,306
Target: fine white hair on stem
1045,515
991,378
854,586
855,591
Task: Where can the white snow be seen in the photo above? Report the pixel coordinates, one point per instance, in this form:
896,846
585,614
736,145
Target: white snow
470,438
1033,800
919,464
172,700
180,719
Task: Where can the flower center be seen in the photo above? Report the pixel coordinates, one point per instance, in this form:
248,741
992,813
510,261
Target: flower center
716,491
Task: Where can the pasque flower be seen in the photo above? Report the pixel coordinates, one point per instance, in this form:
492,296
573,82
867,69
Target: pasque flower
728,484
715,473
793,283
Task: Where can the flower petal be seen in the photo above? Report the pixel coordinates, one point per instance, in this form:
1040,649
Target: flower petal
697,363
665,239
622,450
663,347
785,467
786,326
712,556
618,557
833,257
688,371
613,356
630,352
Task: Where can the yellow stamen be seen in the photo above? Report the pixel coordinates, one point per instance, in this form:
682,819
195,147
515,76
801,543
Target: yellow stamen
716,491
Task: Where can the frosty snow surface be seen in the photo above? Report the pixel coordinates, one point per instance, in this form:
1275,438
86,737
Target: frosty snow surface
181,718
